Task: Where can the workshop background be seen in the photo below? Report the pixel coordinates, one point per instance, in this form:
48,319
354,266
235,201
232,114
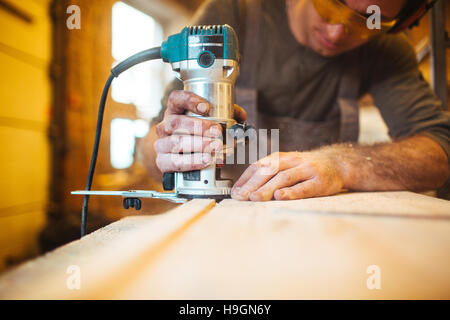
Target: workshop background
50,86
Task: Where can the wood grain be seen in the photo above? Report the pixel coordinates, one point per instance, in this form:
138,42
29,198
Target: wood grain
281,250
314,248
106,258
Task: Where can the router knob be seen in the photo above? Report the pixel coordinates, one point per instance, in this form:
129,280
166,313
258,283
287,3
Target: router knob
169,181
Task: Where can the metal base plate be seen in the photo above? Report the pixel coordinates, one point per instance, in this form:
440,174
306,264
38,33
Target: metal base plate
218,197
173,197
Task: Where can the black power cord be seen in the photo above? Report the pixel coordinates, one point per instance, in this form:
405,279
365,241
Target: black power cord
150,54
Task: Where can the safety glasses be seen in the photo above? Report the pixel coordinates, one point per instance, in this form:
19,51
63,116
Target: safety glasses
336,12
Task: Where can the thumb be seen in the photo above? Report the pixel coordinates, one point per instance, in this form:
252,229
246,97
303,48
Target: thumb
240,115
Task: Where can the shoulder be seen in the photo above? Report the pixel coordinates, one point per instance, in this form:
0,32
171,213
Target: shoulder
392,50
386,58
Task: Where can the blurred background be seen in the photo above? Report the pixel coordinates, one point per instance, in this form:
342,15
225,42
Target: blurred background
52,78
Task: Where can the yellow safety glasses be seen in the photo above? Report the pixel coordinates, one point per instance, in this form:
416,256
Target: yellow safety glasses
336,12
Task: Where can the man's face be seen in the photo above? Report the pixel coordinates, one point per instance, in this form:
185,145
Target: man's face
327,39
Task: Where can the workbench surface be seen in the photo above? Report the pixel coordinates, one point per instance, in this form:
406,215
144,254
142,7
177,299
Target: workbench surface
386,245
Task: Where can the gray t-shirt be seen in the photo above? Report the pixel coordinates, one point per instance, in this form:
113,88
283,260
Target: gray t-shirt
294,81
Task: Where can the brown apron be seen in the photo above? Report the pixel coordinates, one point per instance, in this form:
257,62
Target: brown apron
294,134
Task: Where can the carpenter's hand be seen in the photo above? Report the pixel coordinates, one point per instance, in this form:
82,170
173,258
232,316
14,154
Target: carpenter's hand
288,176
197,138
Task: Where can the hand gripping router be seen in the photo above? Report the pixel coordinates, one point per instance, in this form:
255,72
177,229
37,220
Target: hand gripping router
206,59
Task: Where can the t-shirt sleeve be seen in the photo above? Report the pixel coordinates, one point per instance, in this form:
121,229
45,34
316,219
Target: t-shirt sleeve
211,12
405,100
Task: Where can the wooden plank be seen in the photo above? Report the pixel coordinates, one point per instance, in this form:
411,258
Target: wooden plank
106,258
372,203
30,41
265,250
25,167
18,233
23,193
25,94
272,250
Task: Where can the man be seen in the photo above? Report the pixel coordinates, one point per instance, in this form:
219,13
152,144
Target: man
307,62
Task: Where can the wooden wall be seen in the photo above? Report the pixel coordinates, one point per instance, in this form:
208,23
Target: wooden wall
51,84
86,61
25,95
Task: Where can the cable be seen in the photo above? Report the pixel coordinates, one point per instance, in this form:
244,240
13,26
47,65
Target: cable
146,55
150,54
98,133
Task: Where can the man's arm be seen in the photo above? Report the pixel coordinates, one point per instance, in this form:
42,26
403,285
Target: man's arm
417,164
407,103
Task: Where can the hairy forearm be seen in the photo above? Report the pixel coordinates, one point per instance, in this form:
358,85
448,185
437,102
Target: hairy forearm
417,164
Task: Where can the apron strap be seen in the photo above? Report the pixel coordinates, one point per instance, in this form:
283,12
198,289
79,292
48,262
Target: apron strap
251,20
347,102
246,94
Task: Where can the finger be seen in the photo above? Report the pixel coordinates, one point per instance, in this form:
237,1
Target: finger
240,115
249,172
253,183
268,166
179,124
171,162
187,143
308,189
180,101
286,178
253,179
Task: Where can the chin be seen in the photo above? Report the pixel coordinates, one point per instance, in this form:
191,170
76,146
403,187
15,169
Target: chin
326,52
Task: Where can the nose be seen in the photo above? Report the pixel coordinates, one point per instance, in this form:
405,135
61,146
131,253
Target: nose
335,32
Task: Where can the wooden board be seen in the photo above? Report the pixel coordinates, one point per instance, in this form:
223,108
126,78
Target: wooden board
105,258
243,250
406,204
315,248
